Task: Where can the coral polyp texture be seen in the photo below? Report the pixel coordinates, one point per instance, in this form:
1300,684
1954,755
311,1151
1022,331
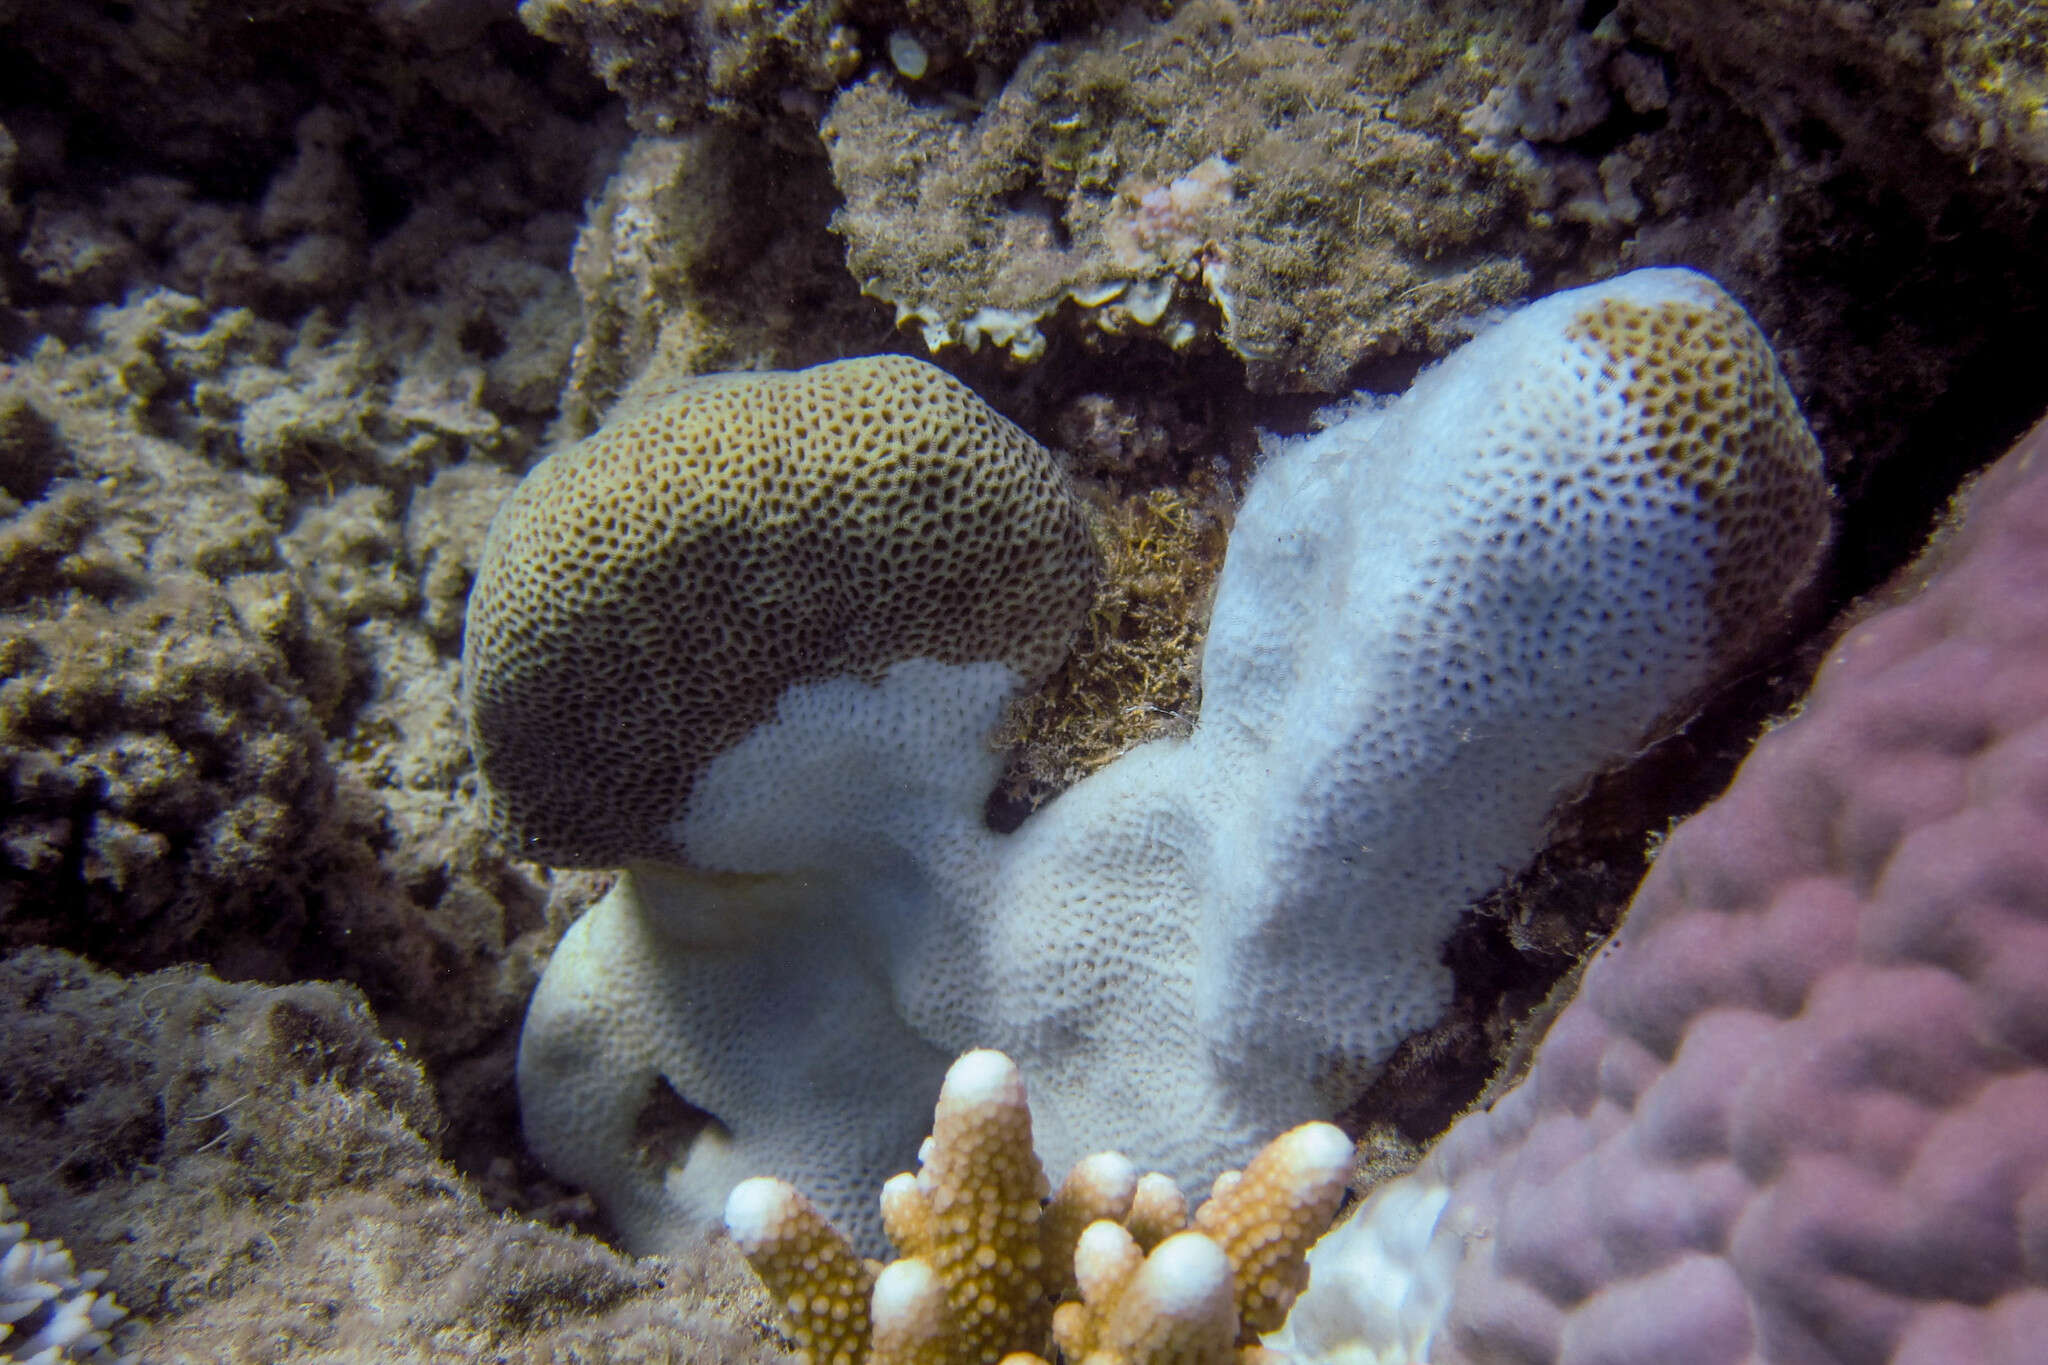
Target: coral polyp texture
983,1257
662,546
1798,1110
1436,618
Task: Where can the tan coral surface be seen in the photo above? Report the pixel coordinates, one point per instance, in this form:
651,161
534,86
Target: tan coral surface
1716,413
649,593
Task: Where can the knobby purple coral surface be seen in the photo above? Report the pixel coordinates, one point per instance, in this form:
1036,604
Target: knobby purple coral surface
1799,1109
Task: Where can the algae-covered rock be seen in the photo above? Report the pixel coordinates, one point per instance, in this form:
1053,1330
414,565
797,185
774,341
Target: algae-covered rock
444,535
1134,673
1294,184
673,62
703,254
1926,98
227,661
167,773
1317,190
312,257
255,1168
412,169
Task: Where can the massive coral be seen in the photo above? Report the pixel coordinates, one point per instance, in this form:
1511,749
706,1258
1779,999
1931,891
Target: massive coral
1799,1107
720,540
1204,940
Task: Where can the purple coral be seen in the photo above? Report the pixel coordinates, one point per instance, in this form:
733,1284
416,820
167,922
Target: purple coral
1799,1109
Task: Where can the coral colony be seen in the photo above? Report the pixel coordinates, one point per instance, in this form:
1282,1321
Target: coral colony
48,1310
1435,618
984,1254
1795,1109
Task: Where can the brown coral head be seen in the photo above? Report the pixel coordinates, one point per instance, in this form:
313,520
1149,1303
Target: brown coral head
647,594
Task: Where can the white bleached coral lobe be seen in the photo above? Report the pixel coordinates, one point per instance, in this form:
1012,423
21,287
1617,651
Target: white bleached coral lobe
1437,617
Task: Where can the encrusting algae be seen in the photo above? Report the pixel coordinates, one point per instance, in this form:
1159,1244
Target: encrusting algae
1135,670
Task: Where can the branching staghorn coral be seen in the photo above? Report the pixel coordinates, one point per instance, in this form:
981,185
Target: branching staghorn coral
983,1256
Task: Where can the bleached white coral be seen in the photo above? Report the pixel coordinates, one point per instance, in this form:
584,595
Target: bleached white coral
50,1313
1437,617
1382,1283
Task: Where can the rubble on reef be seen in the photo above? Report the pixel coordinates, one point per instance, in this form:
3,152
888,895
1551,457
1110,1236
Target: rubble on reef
255,1166
271,358
226,669
673,63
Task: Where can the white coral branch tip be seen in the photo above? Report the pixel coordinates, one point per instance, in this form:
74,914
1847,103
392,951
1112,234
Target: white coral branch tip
1316,1152
1109,1176
758,1211
982,1077
1185,1277
1106,1255
909,1303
